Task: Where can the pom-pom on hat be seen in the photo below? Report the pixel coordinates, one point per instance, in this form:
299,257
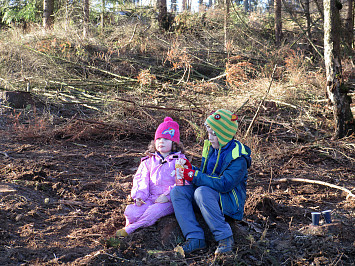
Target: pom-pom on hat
169,129
224,123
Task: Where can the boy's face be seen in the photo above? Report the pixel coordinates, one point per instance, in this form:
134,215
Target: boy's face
163,146
212,138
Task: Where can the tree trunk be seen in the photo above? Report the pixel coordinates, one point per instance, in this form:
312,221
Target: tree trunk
201,7
349,25
246,6
174,6
103,4
183,5
308,18
320,8
305,6
336,92
48,7
270,6
226,18
163,15
186,5
66,23
278,24
86,18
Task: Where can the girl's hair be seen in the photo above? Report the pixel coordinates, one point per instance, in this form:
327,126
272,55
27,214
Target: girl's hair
175,148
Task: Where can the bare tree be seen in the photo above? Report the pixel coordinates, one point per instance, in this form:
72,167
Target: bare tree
86,18
278,23
305,6
103,8
163,19
308,18
246,6
319,5
349,24
48,7
226,18
174,6
270,6
184,5
335,90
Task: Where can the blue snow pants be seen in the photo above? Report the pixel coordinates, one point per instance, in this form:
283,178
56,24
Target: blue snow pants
205,199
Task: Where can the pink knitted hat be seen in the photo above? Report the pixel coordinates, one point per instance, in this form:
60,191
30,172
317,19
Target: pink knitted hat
169,129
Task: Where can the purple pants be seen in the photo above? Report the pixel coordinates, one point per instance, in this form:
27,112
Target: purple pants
145,215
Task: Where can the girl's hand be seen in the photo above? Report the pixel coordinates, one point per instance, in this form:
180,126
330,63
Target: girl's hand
139,202
162,199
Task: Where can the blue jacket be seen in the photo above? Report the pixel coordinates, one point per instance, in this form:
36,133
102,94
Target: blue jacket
231,181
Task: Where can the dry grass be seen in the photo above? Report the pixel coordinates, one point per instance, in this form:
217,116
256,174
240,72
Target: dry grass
166,73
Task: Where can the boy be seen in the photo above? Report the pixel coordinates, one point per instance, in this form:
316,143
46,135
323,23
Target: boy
218,187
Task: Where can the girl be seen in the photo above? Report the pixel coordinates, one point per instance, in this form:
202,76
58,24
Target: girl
154,179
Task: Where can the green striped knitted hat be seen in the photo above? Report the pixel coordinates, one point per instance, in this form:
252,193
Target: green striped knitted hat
224,123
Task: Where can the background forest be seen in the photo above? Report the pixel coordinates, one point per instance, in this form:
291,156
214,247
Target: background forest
83,86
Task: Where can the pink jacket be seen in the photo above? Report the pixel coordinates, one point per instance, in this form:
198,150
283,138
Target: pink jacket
155,177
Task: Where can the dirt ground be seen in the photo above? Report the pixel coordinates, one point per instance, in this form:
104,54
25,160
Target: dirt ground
61,198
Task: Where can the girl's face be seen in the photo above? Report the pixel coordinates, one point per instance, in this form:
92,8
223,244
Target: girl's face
213,138
163,146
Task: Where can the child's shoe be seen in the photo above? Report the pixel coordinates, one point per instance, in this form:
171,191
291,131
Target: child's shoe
113,242
193,244
224,245
121,233
116,240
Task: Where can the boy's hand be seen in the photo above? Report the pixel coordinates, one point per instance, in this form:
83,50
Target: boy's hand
188,174
162,199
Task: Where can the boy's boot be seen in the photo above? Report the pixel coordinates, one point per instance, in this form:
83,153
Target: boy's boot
193,244
224,245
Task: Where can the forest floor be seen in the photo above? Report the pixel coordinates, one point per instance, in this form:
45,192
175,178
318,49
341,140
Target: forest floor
63,193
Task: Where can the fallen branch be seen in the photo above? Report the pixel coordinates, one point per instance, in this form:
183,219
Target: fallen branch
342,153
77,203
107,125
113,256
350,194
6,189
261,103
242,106
83,236
4,153
218,77
80,65
159,107
97,123
134,32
